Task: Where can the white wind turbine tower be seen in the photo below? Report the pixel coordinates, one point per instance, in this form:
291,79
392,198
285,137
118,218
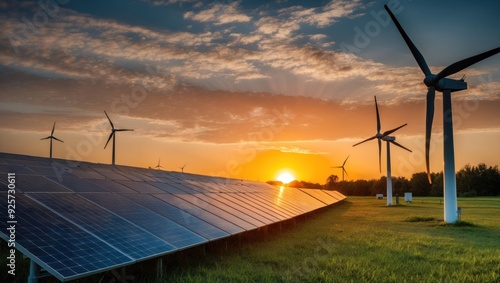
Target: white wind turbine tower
51,137
112,135
389,139
343,168
441,83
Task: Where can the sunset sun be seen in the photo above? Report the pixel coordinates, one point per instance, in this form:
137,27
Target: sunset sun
285,177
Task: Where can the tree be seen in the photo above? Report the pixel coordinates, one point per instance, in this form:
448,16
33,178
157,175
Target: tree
419,184
331,180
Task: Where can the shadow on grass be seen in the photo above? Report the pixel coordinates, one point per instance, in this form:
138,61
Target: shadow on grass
439,222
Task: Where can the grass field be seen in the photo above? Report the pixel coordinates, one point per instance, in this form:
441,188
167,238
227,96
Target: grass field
365,241
361,240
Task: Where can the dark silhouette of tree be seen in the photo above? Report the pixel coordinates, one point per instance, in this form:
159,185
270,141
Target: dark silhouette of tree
331,180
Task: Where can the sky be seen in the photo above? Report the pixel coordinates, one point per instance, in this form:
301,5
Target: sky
244,89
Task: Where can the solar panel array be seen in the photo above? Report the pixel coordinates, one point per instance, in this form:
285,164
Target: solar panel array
79,218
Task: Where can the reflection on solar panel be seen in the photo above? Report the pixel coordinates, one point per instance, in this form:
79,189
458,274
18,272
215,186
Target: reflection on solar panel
81,218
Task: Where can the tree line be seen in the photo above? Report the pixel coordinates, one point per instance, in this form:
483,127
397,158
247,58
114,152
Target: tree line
480,180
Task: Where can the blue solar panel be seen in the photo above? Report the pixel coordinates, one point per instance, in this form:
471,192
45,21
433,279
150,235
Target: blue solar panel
36,183
181,217
152,222
15,168
77,185
123,235
210,214
141,187
113,187
57,245
260,213
168,188
222,210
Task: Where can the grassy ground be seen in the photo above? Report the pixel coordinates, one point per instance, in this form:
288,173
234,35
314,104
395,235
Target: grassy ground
365,241
359,241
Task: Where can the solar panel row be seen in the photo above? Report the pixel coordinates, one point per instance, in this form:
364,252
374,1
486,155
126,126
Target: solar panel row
96,217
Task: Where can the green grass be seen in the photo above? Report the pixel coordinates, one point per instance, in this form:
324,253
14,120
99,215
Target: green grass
361,240
365,241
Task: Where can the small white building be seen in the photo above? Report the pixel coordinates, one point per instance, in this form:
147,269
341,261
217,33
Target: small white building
380,196
408,197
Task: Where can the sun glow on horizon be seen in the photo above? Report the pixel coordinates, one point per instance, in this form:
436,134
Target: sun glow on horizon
285,177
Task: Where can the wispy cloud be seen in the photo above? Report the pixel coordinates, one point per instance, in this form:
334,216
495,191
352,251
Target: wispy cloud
218,14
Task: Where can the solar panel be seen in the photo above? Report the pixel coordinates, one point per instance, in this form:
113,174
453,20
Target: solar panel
181,217
217,211
320,195
141,187
164,228
130,239
78,185
98,217
242,213
57,245
209,216
36,183
113,187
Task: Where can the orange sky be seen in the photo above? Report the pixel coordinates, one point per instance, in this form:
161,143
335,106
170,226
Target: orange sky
246,93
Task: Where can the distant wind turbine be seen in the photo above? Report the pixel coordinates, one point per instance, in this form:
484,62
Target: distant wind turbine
158,166
441,83
51,137
112,135
389,139
343,168
182,168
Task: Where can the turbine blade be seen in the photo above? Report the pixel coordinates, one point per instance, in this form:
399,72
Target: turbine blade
336,167
368,139
112,126
416,53
379,155
386,133
53,127
110,136
462,64
378,116
345,171
345,161
429,116
395,143
123,130
57,139
46,138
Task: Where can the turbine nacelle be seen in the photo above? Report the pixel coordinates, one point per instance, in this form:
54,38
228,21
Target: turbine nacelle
389,138
445,83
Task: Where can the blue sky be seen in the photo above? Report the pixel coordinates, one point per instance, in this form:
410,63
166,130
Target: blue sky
215,73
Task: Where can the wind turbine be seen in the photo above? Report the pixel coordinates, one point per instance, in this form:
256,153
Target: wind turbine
389,139
158,166
343,168
51,137
182,168
112,135
441,83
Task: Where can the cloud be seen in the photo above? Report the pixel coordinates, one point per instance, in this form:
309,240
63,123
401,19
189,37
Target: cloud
219,14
